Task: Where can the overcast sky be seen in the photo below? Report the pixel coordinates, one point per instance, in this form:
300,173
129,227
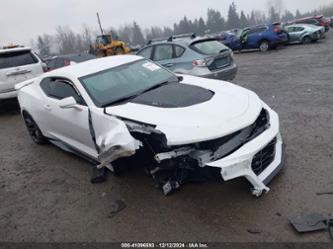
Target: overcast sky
23,20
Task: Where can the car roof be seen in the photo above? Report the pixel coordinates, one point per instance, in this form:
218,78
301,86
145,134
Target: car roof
93,66
309,17
74,57
185,41
16,49
299,25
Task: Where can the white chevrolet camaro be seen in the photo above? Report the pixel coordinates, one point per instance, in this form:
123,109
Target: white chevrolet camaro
181,127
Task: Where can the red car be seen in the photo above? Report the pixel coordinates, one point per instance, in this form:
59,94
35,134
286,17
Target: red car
318,20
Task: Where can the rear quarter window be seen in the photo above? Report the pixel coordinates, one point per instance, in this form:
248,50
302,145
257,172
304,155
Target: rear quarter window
179,51
16,59
146,52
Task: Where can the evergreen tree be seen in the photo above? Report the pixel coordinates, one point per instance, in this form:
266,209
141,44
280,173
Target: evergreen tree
215,21
137,36
273,15
233,18
201,26
243,20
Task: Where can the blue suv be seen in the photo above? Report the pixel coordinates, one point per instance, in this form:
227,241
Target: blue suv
262,37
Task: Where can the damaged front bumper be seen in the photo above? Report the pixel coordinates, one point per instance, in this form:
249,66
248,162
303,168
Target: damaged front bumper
259,160
254,152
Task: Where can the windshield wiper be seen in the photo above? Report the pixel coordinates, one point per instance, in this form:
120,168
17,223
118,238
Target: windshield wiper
121,100
126,98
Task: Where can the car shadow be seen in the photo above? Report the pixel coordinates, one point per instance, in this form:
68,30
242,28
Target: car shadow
9,107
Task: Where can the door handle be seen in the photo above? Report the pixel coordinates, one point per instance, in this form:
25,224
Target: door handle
47,107
168,65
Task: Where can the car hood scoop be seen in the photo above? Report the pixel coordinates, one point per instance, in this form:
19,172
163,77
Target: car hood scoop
174,95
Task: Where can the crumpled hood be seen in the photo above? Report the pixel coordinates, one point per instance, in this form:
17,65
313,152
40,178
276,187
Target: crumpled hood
230,109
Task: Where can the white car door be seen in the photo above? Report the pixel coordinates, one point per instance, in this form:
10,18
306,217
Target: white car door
70,125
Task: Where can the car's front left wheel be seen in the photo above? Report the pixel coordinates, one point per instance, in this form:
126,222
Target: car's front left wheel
33,129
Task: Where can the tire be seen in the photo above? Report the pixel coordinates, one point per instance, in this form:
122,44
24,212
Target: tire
118,51
306,40
34,131
264,46
100,53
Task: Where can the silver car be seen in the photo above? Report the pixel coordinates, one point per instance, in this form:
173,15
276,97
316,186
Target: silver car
188,54
303,33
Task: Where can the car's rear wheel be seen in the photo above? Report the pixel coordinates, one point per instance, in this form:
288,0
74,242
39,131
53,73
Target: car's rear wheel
34,131
264,46
306,40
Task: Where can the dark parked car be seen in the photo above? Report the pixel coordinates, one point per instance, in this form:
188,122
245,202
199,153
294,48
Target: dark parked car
187,54
262,37
66,60
318,20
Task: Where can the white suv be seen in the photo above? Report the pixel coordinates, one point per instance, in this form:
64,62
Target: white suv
16,65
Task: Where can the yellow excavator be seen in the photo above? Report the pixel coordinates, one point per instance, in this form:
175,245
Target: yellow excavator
106,46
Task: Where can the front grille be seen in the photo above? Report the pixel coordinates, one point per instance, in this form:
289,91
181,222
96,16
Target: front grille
220,63
264,158
224,146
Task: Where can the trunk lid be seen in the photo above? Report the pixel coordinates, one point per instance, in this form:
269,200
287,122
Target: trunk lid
17,66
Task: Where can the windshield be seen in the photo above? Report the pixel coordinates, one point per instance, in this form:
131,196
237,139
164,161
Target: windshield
209,47
128,80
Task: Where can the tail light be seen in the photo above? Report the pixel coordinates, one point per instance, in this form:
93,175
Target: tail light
199,63
67,63
277,30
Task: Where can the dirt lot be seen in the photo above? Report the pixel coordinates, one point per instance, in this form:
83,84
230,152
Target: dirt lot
45,193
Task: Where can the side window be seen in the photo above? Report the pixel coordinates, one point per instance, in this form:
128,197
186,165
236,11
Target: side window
291,29
179,51
60,89
163,52
146,52
252,31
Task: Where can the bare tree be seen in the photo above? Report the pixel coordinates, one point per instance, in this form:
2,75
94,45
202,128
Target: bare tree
67,40
87,37
275,9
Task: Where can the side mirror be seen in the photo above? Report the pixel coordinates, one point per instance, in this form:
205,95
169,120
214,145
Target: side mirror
68,103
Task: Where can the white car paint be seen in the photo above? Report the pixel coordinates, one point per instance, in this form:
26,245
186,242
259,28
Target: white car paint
231,109
9,76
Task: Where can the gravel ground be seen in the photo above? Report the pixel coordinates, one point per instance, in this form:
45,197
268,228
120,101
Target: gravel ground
46,196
